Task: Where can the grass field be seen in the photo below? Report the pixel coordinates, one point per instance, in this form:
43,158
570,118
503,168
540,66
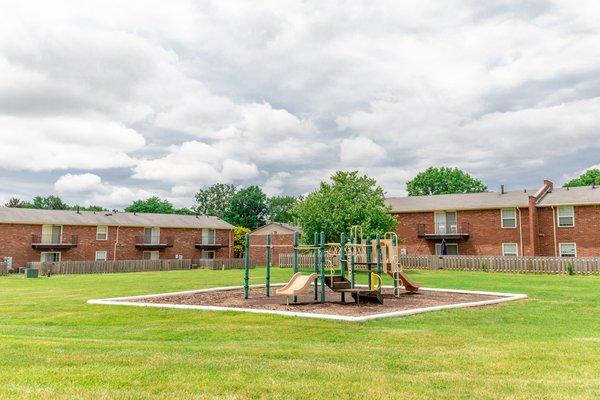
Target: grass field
54,346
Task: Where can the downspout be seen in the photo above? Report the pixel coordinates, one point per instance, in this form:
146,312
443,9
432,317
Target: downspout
230,243
116,243
520,232
554,230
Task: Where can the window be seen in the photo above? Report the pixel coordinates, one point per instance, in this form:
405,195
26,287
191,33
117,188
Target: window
566,216
509,217
101,256
208,236
451,249
208,255
567,249
510,249
102,232
150,255
445,222
51,234
50,256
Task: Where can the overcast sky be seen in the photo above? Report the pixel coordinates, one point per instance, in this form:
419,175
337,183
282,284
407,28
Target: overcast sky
107,102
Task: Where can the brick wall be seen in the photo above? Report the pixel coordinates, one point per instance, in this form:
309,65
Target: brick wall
258,254
15,241
585,233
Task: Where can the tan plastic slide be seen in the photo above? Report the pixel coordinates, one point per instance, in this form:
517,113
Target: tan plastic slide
298,284
407,283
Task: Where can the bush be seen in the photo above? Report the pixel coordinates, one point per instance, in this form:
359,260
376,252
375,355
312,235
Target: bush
570,270
483,266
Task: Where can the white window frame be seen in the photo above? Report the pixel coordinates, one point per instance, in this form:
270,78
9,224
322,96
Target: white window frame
558,216
100,252
504,252
44,239
98,233
205,252
502,218
447,244
214,235
50,252
560,251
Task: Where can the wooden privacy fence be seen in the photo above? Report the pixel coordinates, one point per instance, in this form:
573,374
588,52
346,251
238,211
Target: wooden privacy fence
542,265
103,267
307,261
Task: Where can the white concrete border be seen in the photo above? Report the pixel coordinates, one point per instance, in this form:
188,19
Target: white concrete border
123,301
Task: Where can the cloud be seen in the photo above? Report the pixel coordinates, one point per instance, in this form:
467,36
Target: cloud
361,151
82,183
60,143
282,94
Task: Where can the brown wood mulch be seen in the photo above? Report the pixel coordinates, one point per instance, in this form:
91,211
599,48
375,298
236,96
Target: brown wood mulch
306,303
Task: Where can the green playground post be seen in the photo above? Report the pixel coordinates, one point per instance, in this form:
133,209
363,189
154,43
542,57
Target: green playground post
322,266
352,262
378,248
343,261
295,259
268,267
369,250
316,263
246,265
394,273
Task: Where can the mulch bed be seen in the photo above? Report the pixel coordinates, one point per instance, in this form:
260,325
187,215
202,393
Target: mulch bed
306,303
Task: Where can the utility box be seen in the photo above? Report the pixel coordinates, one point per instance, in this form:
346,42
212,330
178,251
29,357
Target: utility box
31,273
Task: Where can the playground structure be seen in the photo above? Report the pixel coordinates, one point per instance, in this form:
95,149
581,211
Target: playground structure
334,266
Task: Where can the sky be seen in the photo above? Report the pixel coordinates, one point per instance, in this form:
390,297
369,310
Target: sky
108,102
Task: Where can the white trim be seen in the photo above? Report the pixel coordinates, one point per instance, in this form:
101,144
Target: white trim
567,216
97,232
516,249
105,255
214,235
502,218
122,301
560,253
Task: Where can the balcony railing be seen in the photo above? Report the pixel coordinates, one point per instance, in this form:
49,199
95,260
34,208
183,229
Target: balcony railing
443,230
153,242
53,242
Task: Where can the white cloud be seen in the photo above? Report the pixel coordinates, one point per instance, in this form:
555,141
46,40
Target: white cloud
78,183
361,151
59,143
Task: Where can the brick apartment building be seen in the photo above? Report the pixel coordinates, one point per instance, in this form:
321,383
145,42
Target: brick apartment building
281,234
28,235
545,222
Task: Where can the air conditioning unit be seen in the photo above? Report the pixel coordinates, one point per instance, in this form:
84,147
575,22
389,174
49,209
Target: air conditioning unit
8,262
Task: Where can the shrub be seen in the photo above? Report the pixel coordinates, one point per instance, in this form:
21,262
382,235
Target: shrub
570,268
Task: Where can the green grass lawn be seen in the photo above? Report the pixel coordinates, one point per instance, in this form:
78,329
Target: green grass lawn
54,346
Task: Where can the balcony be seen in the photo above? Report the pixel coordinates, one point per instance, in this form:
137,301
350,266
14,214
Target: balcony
53,242
443,231
209,246
153,242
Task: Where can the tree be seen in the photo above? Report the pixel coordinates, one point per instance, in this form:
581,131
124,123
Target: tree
590,177
239,240
48,203
15,202
443,180
151,205
214,200
280,208
247,208
349,199
88,208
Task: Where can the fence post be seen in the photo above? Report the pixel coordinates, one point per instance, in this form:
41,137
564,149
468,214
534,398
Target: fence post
246,265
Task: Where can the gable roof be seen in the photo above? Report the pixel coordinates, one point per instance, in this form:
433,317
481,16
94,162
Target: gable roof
461,201
68,217
278,226
571,196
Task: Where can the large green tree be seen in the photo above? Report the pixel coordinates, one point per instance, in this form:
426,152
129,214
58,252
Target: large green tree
280,208
214,200
151,205
348,199
443,180
590,177
15,202
247,208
